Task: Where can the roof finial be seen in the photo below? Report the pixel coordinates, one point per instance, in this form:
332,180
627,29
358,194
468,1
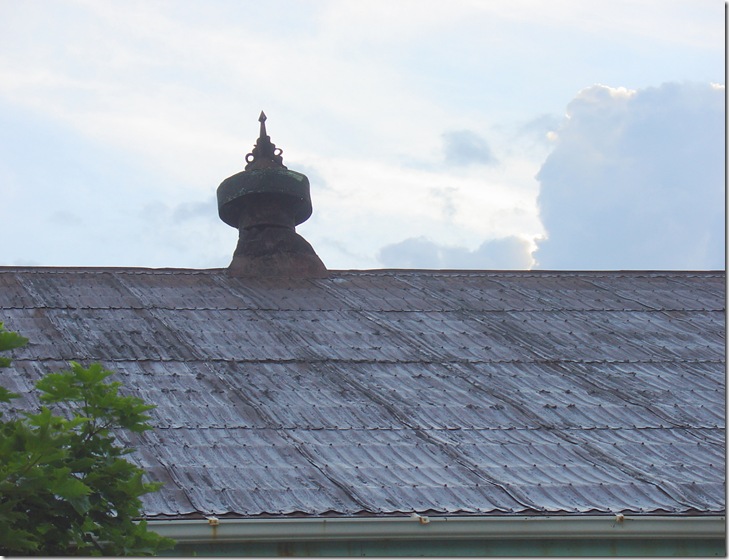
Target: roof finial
265,203
265,154
262,120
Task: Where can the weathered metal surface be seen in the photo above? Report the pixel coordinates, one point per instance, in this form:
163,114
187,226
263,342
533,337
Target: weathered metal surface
396,391
237,204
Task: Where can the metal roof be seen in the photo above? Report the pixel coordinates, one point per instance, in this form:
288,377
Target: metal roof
376,392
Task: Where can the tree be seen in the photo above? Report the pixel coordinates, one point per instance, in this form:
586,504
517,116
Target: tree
65,486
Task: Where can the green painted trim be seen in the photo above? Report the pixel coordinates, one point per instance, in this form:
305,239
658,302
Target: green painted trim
462,547
415,528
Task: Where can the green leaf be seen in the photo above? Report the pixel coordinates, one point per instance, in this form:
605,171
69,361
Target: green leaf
72,488
10,340
7,396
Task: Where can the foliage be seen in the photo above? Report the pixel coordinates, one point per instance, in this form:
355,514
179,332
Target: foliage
65,486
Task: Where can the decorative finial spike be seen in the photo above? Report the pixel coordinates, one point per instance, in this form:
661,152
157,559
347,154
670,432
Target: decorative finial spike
265,154
262,120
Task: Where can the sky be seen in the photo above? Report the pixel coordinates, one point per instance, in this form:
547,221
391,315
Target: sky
468,134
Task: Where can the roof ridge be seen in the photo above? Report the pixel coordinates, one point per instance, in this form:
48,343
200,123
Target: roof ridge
367,272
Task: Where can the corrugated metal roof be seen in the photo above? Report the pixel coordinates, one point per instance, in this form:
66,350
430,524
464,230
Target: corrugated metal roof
456,392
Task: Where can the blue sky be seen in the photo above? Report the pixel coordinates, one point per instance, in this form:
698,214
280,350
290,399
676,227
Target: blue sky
505,134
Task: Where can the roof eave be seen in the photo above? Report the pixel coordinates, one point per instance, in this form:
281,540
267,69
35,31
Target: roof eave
619,526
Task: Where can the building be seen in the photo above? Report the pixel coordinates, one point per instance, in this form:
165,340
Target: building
383,412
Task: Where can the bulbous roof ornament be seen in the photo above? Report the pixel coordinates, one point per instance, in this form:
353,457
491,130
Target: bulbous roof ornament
266,202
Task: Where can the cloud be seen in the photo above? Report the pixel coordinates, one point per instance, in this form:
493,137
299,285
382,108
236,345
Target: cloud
636,180
507,253
371,204
538,128
465,147
158,102
64,218
191,210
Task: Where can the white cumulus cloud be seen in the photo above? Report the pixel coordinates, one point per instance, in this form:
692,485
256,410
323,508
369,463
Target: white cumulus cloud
636,180
506,253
